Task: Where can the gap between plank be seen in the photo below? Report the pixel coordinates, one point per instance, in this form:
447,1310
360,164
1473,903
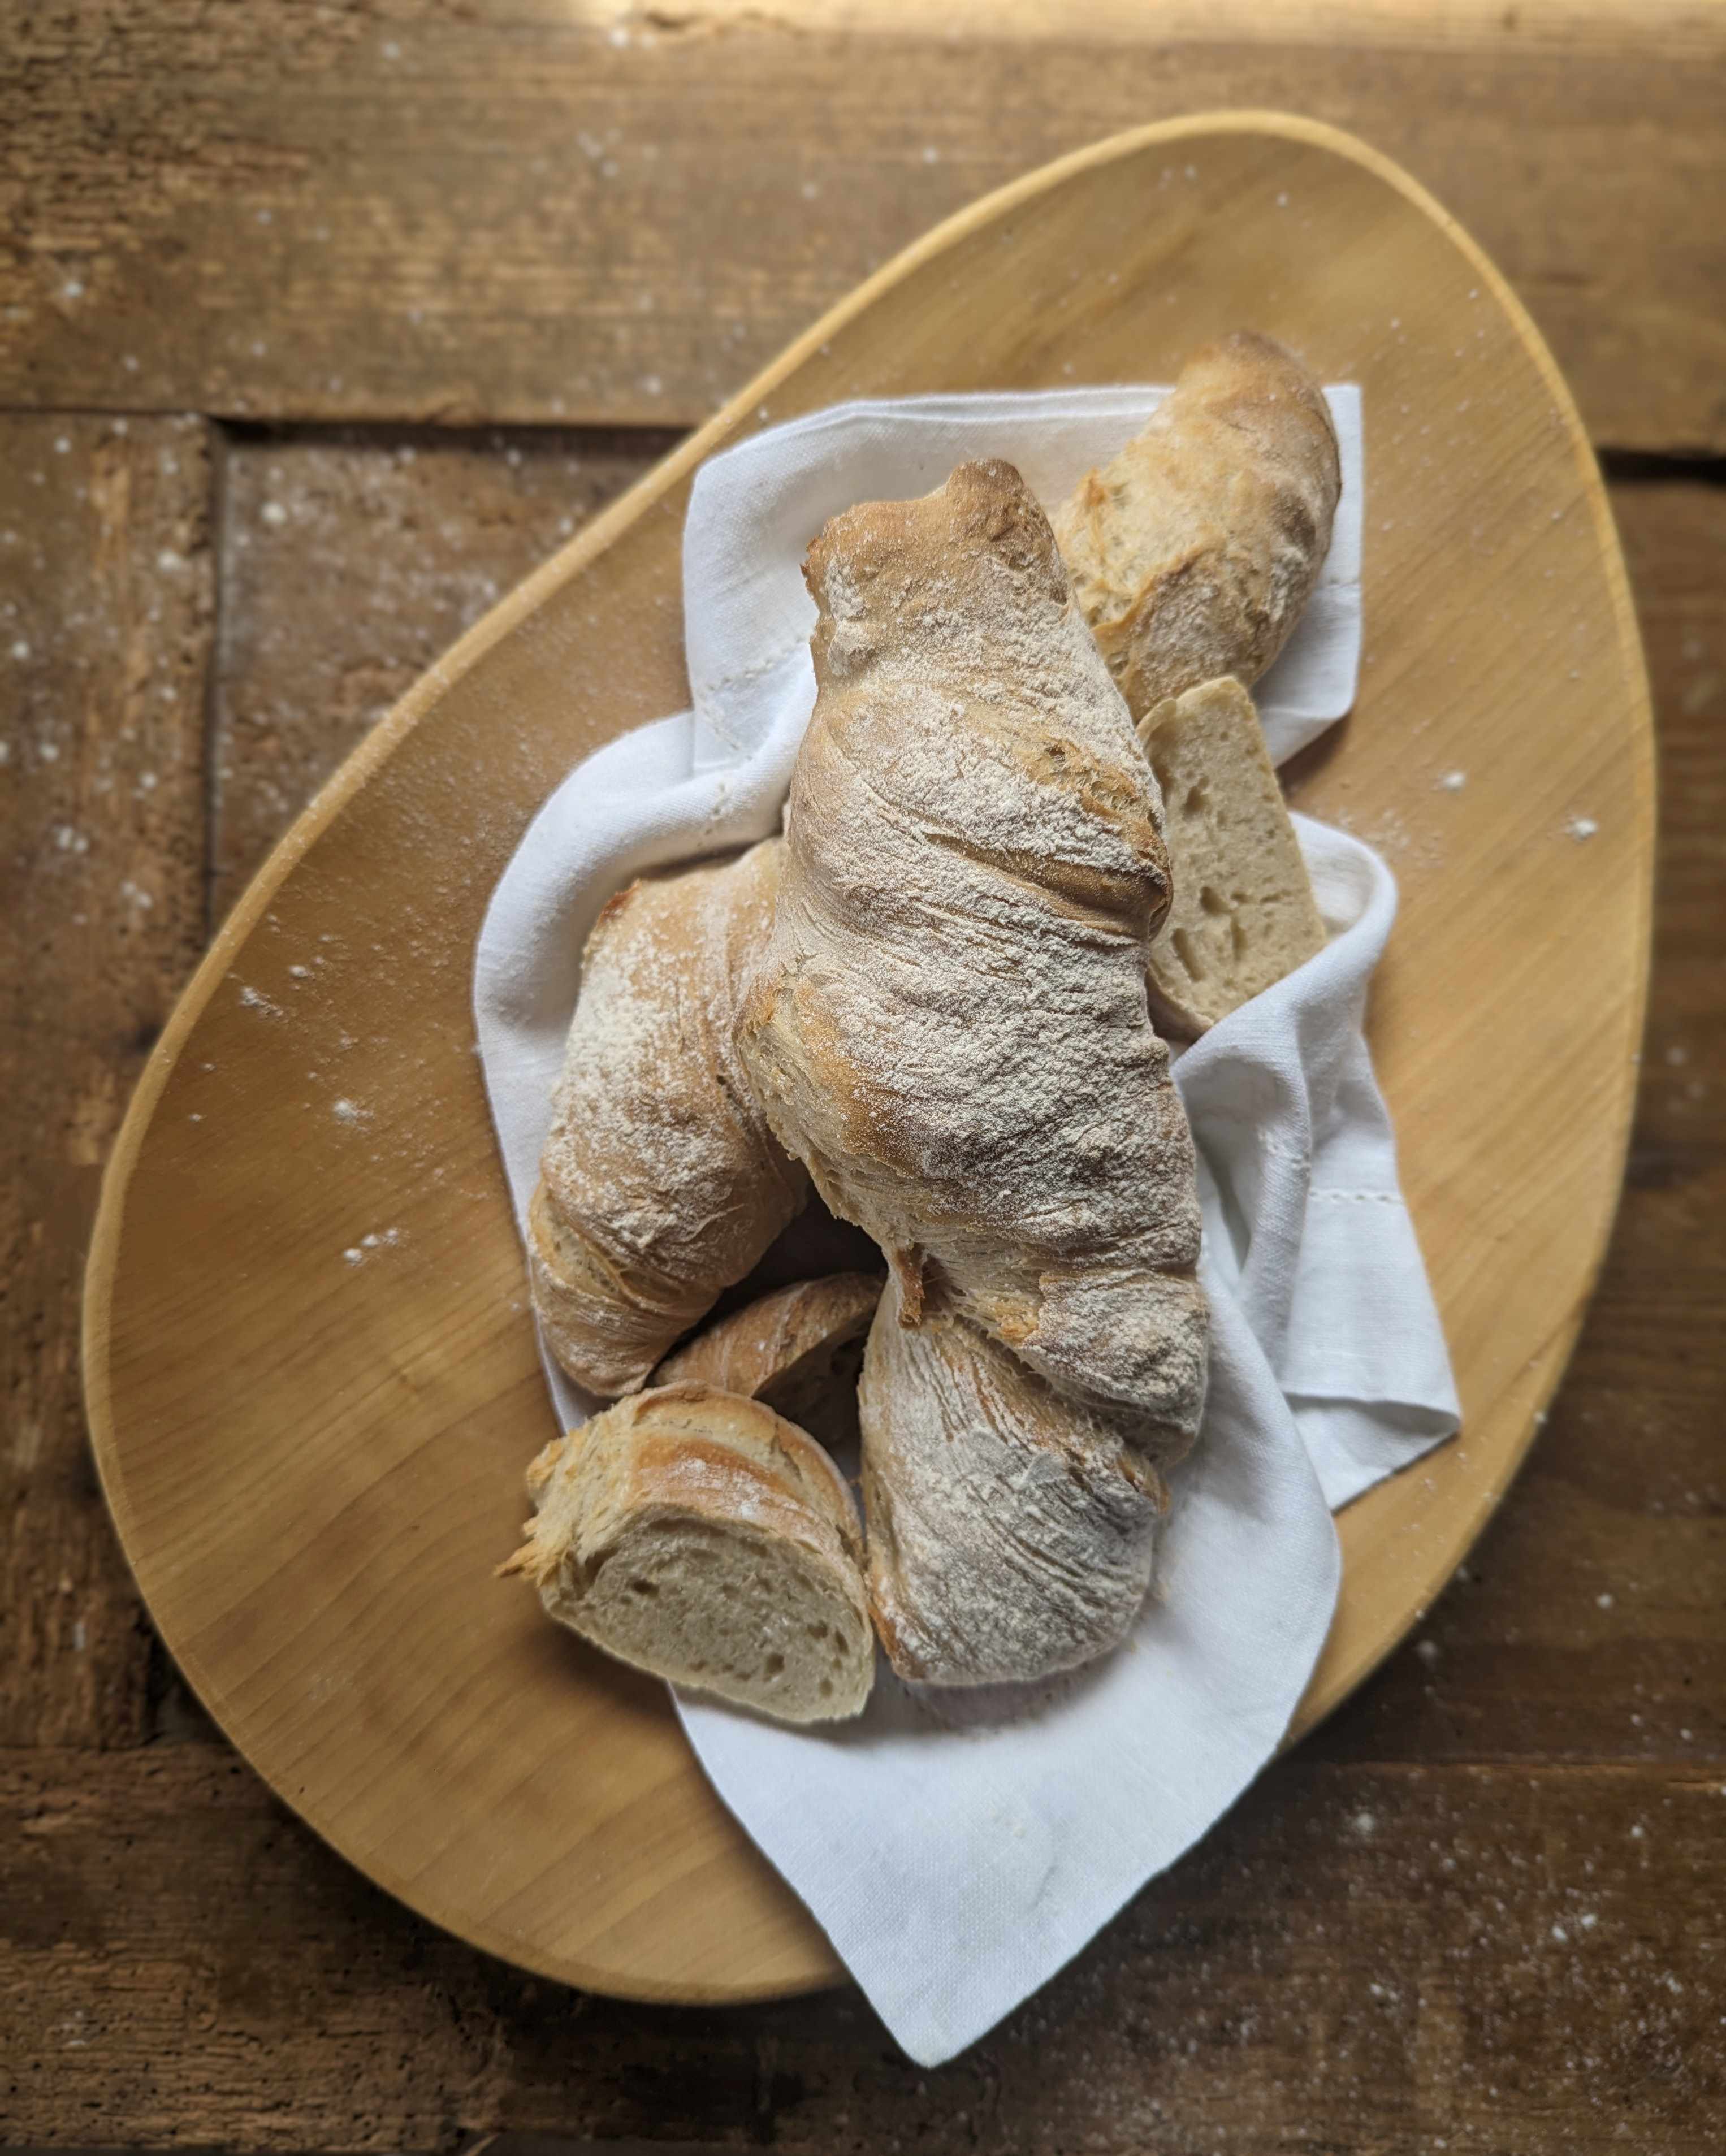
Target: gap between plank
215,667
1698,467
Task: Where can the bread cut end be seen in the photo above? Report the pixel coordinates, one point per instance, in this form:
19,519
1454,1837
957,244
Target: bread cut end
744,1615
1244,913
696,1535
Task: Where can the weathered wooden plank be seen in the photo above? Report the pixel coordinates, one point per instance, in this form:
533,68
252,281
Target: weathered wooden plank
105,633
1576,26
349,564
1528,1661
1356,1960
547,212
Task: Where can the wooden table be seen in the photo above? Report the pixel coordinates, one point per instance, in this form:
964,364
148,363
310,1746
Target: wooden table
319,326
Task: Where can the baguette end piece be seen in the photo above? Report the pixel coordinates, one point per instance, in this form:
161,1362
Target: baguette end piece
1193,550
698,1536
798,1350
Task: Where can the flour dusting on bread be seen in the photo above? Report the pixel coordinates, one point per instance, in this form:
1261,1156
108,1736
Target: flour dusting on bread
1194,549
661,1183
948,1026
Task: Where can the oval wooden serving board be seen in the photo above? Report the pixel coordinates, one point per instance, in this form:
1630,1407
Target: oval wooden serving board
310,1370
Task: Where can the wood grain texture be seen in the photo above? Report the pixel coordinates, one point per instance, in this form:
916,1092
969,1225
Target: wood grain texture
432,212
1589,1622
183,1962
105,632
302,1537
1364,1959
1579,28
347,567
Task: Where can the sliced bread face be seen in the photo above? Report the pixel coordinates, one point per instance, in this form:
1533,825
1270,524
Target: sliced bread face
698,1536
1244,913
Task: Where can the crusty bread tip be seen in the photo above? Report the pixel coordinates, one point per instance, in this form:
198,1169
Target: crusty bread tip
799,1350
661,1183
699,1537
1193,550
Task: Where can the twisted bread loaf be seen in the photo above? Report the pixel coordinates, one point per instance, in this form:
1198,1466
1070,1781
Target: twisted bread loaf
948,1026
661,1183
1192,551
1011,1530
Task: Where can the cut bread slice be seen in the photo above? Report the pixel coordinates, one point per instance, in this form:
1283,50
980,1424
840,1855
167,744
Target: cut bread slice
1244,913
799,1350
697,1535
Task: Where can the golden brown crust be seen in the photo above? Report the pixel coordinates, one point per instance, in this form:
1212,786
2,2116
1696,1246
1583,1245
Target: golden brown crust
949,1024
1193,550
949,1028
661,1183
799,1350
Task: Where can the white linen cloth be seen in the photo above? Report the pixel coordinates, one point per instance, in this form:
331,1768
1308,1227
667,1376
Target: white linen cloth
958,1849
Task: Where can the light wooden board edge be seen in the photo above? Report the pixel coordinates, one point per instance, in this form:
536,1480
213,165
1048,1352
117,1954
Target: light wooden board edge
1344,1664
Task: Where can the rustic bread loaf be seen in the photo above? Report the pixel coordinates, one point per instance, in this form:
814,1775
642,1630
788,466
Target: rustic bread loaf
949,1023
1011,1529
949,1027
798,1351
1193,550
1244,913
699,1537
661,1183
